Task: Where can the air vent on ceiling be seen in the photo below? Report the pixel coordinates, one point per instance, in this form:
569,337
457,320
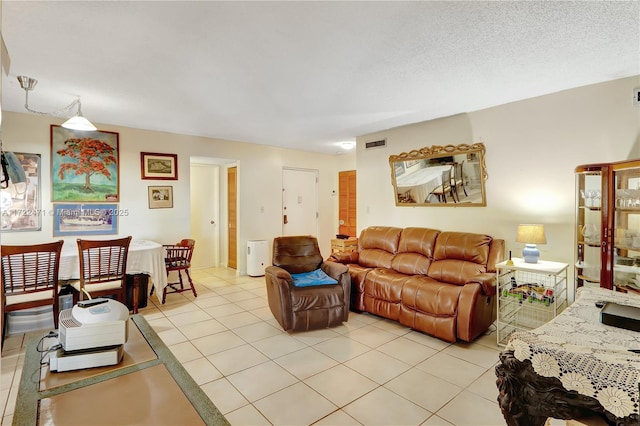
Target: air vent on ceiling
376,144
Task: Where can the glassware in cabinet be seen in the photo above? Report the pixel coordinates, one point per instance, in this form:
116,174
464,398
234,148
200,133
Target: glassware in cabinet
625,262
589,183
607,224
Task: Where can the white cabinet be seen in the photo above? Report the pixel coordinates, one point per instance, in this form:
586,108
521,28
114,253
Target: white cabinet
529,295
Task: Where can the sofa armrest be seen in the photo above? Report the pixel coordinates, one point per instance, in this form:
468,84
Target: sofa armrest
344,257
487,281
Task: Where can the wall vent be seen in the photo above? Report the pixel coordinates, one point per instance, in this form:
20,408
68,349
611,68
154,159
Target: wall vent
376,144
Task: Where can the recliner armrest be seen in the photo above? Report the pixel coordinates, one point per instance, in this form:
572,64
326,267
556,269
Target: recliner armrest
279,273
334,269
487,281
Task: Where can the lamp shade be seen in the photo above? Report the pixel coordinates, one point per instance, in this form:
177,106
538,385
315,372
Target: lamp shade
78,123
531,234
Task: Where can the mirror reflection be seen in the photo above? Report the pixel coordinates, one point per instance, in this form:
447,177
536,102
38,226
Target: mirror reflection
440,176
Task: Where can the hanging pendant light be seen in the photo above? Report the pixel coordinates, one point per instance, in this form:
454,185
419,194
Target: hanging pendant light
79,122
76,122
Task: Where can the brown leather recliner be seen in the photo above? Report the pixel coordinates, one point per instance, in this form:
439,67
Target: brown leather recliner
305,308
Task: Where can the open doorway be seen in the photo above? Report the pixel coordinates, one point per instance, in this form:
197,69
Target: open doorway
208,217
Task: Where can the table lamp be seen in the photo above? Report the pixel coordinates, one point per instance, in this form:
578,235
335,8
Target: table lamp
530,235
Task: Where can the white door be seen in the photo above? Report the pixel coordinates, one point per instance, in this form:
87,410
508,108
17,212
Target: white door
205,195
299,202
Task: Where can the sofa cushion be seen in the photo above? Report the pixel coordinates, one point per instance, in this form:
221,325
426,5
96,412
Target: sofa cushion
378,245
411,264
415,251
431,306
375,258
382,292
418,240
455,271
385,284
462,246
458,256
427,295
380,237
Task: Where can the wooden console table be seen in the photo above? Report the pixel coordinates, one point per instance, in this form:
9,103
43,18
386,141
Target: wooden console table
572,367
149,386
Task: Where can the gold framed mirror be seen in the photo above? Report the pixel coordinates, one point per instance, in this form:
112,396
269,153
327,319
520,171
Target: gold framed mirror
420,177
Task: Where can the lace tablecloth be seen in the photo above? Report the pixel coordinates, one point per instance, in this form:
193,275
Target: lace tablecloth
588,357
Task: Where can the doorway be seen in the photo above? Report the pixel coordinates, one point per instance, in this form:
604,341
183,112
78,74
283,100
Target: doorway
208,194
205,214
299,202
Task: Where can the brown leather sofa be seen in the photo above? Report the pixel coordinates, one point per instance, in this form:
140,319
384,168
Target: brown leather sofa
440,283
305,308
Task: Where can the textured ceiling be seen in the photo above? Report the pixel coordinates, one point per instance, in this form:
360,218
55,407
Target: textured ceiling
306,75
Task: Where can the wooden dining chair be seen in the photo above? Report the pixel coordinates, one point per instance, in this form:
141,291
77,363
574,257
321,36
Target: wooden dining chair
103,265
178,258
444,188
30,278
457,181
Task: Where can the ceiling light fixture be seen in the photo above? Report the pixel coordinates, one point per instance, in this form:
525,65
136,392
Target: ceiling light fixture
77,120
348,145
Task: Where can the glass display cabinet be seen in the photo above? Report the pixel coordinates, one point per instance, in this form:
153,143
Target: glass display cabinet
608,225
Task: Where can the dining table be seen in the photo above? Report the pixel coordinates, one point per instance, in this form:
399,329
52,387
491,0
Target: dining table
421,182
144,257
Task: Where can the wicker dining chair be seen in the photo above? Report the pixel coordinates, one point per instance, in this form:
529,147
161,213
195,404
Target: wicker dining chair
30,278
103,265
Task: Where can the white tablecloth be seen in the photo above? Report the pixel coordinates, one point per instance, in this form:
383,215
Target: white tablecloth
421,182
587,356
145,257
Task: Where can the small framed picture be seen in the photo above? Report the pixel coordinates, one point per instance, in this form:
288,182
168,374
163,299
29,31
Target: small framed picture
160,197
154,165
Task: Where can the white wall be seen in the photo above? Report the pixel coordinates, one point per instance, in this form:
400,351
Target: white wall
259,182
533,147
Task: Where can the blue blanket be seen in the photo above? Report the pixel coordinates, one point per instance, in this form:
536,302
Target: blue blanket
317,277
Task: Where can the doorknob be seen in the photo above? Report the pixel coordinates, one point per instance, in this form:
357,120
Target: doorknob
285,219
213,222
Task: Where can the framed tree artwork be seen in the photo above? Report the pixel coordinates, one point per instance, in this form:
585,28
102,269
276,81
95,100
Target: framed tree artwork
84,166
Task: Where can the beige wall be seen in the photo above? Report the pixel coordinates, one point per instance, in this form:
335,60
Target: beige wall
533,147
259,172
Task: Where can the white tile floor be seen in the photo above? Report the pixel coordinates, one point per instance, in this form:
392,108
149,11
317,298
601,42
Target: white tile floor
367,371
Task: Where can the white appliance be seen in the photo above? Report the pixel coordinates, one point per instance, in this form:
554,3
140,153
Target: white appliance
61,360
91,334
257,257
